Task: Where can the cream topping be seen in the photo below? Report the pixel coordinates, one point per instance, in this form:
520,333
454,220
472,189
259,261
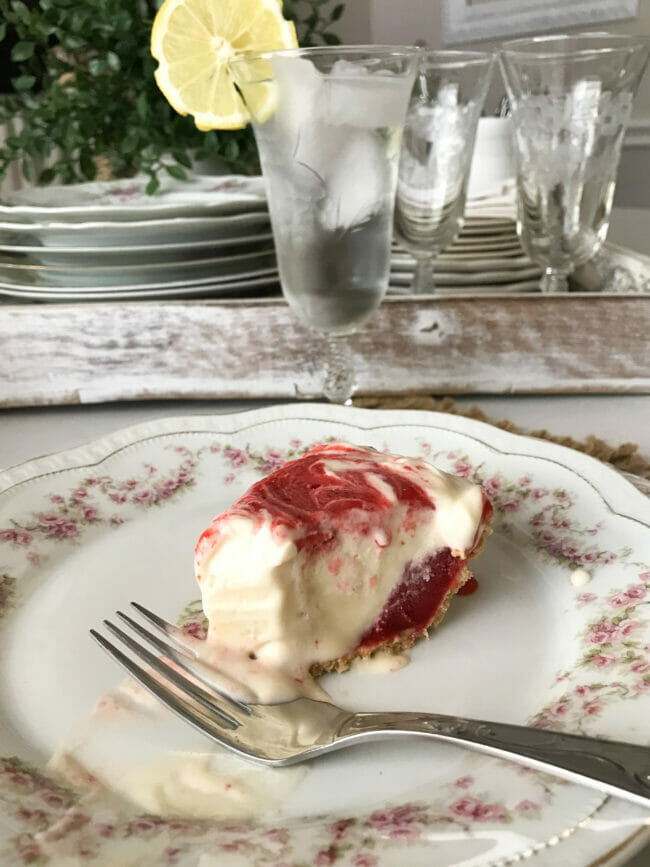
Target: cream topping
381,662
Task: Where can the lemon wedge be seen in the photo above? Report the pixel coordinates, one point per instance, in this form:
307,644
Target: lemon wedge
194,42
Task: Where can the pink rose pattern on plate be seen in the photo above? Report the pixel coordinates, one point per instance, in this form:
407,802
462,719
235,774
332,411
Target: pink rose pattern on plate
126,194
609,645
96,501
49,821
56,823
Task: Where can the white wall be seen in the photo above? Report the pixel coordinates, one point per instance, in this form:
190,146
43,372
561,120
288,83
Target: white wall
354,27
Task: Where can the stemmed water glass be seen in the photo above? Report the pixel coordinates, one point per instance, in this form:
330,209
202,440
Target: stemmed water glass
571,98
437,147
328,124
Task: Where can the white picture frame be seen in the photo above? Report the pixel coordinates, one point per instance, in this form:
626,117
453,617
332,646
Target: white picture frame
471,20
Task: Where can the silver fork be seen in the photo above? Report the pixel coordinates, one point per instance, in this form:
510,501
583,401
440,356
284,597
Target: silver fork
295,731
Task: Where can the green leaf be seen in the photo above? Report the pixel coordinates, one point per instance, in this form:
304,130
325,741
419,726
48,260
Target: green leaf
27,170
176,172
152,186
3,30
130,142
71,137
231,150
113,61
337,11
21,11
183,158
46,176
331,39
87,165
24,82
79,21
71,43
22,51
142,105
96,66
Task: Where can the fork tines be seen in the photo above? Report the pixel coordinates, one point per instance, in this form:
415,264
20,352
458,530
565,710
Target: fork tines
162,675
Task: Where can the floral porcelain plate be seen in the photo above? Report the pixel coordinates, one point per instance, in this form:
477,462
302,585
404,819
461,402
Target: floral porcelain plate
557,636
92,278
137,255
265,283
141,232
127,199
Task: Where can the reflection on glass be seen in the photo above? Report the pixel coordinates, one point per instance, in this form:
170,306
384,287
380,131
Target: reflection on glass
436,156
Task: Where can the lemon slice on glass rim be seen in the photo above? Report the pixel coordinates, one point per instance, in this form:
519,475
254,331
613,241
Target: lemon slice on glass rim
194,42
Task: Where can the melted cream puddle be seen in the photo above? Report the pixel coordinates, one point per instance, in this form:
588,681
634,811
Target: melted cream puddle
133,747
381,662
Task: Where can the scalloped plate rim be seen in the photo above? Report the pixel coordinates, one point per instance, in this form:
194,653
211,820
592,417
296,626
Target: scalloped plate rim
619,491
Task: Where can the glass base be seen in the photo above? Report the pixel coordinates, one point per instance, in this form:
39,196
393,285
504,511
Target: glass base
340,381
423,279
554,282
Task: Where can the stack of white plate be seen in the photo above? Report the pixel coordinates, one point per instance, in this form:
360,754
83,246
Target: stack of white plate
487,257
207,236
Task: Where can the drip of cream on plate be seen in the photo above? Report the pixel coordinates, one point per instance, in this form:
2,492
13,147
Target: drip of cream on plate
133,747
580,577
381,662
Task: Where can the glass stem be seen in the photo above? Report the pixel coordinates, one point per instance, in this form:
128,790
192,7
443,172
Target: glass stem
423,282
339,371
553,282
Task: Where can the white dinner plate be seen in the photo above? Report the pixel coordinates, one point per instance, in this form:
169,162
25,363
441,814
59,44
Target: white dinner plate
489,278
127,199
142,255
500,213
263,280
512,252
401,284
480,220
458,258
84,532
487,226
479,247
452,262
137,233
96,277
483,245
449,276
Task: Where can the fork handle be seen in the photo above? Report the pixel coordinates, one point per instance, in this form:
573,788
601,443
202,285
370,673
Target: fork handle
611,766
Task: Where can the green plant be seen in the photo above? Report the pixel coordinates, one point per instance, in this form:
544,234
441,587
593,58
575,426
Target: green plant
85,95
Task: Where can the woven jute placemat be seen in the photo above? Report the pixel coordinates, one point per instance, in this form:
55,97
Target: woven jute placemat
624,457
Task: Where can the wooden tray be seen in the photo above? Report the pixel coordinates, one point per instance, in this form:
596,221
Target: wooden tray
109,351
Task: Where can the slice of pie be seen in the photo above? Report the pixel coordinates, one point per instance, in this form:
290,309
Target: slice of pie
337,554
